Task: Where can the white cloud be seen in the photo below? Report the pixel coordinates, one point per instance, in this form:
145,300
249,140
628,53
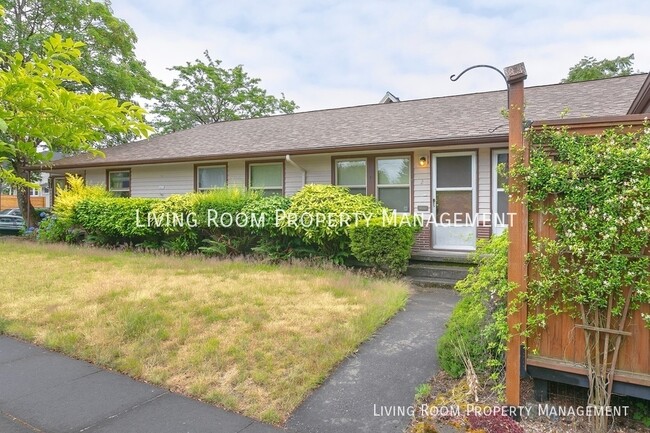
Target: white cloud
335,53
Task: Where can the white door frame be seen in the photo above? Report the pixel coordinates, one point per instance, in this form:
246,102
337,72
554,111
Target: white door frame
434,190
496,228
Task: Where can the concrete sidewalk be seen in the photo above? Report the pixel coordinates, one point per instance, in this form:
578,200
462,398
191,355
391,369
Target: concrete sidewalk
365,392
42,391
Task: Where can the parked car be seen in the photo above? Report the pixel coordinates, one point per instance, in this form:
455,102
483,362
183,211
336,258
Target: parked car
14,211
11,224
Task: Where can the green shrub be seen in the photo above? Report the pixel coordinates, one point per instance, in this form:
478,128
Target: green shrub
314,201
58,226
479,321
51,229
268,207
270,240
219,202
464,327
116,220
383,244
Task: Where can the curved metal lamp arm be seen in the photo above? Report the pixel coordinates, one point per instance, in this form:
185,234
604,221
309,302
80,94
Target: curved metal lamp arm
455,77
493,130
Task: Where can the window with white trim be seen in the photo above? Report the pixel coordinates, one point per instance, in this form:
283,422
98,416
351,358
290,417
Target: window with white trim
119,182
268,178
394,182
353,174
210,177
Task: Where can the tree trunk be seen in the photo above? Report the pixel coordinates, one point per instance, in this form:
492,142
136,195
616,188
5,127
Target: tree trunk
26,208
22,194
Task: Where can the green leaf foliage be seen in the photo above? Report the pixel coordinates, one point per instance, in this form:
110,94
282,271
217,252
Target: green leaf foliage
60,225
204,92
479,320
233,221
595,191
328,201
383,245
42,113
107,51
589,68
117,220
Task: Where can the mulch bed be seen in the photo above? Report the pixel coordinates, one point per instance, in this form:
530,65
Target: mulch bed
450,409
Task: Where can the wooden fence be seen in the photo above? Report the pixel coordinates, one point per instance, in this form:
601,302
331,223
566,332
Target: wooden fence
11,201
558,351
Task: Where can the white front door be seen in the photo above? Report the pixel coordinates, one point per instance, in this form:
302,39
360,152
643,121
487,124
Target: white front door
453,178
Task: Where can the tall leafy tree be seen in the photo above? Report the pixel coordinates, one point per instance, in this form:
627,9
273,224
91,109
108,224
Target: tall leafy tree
39,111
204,92
591,69
107,58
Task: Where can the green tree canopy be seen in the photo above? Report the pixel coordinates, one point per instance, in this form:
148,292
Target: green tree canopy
107,58
204,92
39,111
591,69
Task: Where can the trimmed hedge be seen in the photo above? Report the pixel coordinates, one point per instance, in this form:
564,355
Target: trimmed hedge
383,245
115,220
317,201
343,224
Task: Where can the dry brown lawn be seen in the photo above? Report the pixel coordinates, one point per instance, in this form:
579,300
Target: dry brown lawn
247,336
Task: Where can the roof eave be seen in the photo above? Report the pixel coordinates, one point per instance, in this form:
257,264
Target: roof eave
642,101
97,163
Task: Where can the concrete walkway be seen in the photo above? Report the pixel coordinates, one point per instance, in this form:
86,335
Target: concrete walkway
41,391
365,392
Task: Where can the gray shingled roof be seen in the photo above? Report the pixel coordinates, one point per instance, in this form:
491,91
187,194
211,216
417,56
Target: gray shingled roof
439,120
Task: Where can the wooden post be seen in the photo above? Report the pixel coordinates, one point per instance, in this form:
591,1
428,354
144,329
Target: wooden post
517,232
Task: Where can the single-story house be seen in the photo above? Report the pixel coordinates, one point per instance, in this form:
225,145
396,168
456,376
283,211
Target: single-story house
434,155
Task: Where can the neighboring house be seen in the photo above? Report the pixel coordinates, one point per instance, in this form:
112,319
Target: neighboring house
39,197
436,154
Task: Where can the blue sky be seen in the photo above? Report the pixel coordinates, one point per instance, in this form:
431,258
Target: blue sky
325,54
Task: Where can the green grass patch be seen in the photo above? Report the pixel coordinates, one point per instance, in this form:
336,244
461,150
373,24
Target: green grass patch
247,336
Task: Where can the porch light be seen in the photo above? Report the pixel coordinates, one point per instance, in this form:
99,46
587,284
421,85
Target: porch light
423,161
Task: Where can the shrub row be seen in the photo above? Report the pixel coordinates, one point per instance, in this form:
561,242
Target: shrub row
320,220
477,329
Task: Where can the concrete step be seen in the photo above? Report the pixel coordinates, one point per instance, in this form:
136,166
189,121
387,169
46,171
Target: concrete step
423,284
436,271
452,258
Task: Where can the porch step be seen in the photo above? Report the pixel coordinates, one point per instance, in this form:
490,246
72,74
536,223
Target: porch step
423,283
438,269
452,258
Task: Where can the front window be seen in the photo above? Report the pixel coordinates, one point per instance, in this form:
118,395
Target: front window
267,178
352,173
208,178
394,183
119,183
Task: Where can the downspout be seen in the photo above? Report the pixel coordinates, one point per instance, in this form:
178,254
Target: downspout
304,172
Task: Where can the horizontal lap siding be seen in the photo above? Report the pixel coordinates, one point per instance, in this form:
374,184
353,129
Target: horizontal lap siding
421,183
95,176
318,167
484,181
484,194
162,181
236,173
